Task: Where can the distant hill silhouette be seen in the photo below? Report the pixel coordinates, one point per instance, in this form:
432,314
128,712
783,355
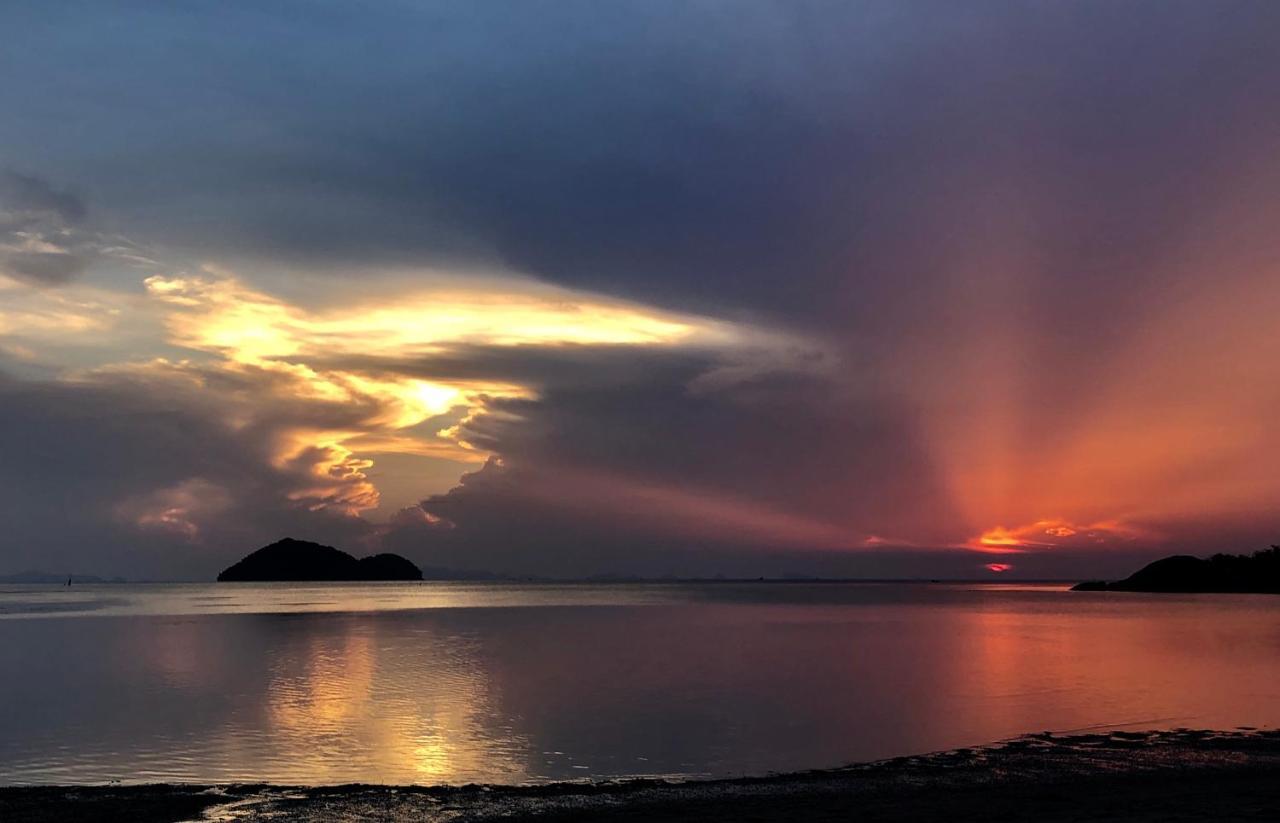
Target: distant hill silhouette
300,560
1258,573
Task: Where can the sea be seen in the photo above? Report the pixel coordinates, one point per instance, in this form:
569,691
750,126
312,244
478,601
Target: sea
494,682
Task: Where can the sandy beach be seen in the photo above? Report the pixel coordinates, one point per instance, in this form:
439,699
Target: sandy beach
1118,776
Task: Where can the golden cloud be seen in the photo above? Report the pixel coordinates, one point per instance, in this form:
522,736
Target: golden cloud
267,364
42,314
1055,533
224,315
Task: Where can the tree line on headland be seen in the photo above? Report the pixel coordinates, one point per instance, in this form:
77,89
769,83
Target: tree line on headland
1257,573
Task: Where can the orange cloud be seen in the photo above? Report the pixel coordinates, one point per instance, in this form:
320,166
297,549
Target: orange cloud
269,365
1054,533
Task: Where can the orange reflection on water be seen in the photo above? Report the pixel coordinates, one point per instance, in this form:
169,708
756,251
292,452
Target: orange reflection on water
509,683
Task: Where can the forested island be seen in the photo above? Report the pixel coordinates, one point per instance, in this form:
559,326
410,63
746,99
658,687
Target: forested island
301,560
1257,573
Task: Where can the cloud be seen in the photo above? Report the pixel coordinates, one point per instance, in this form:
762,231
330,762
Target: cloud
225,315
639,509
645,475
50,315
910,275
111,476
1057,534
40,239
177,510
849,148
369,375
43,239
304,402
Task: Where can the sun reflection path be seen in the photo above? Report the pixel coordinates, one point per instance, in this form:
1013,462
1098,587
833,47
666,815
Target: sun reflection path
350,702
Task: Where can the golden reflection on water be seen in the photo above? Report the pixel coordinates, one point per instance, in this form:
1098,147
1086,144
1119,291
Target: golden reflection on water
416,713
515,683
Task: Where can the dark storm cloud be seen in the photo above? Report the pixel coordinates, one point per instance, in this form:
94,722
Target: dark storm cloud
40,241
892,172
541,367
33,199
44,239
821,160
645,475
84,463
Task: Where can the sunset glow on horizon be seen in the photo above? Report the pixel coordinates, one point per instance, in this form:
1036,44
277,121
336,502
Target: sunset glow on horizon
639,410
345,387
334,392
847,311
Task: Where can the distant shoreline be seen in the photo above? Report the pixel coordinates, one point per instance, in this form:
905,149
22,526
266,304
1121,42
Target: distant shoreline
1134,776
560,581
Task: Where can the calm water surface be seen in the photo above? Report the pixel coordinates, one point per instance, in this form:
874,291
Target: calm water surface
454,683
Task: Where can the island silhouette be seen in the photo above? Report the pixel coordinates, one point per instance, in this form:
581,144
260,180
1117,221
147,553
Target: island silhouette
1257,573
301,560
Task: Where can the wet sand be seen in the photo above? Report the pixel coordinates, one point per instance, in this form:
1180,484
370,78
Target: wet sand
1120,776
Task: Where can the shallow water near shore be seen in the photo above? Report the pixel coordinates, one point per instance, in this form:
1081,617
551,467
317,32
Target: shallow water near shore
514,683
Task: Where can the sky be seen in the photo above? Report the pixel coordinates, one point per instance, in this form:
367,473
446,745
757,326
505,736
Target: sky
871,289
